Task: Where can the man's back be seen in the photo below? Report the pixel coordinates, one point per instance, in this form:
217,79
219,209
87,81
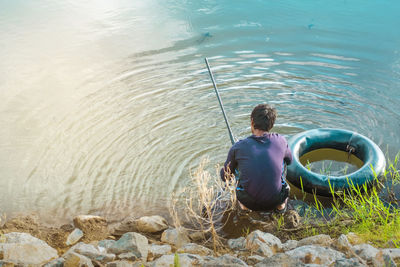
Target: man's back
259,160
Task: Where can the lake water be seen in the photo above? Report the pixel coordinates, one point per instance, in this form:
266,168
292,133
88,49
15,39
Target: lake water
106,106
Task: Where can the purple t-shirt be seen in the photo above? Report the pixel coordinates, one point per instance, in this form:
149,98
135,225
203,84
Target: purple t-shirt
259,161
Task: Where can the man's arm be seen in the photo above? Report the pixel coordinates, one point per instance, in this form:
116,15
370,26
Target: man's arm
230,165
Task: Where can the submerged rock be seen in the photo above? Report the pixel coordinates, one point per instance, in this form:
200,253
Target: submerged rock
131,242
24,249
176,237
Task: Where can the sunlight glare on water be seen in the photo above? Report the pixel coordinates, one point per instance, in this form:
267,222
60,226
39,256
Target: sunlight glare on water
106,106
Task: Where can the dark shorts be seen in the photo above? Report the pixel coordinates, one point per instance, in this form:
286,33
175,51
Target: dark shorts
252,204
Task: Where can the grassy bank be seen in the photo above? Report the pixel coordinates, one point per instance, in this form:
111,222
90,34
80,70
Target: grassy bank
372,213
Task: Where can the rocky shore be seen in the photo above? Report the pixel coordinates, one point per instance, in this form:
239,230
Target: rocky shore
150,241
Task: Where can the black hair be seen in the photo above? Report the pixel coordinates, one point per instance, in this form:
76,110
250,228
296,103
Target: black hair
263,116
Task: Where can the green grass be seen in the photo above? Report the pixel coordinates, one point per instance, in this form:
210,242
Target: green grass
361,210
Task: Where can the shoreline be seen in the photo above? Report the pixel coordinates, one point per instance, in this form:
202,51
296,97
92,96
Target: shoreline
93,241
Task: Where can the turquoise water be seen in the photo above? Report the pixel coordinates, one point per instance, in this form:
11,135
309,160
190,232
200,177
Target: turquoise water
106,106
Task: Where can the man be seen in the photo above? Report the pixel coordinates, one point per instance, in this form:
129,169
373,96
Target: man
259,162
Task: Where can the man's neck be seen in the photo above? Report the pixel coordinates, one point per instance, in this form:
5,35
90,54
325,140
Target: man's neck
258,132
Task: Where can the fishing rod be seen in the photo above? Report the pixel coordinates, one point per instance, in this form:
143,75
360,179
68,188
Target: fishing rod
220,102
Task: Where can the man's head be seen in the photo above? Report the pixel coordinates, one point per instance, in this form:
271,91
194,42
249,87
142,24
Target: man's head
263,117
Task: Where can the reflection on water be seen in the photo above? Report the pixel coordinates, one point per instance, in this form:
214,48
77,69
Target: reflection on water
106,106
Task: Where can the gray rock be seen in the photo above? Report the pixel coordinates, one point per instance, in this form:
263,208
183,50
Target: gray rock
315,254
151,224
192,248
280,259
352,262
265,244
92,252
342,243
131,242
393,252
24,249
225,260
322,240
365,251
120,264
59,262
106,243
22,238
289,245
146,224
237,244
73,259
159,250
185,260
176,237
74,237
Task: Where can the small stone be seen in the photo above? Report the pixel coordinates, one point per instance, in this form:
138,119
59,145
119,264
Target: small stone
120,264
254,259
225,260
280,259
73,259
131,242
184,260
192,248
322,240
159,250
6,264
92,252
74,237
265,244
289,245
94,227
176,237
315,254
127,256
237,243
291,219
353,238
67,227
59,262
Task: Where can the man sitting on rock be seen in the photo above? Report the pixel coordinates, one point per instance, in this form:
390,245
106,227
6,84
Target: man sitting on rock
259,164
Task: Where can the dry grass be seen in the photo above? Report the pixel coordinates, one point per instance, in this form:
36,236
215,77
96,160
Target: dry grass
203,203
